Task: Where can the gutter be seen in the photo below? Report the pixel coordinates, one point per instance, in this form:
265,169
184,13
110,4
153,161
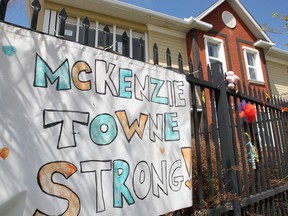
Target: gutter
188,24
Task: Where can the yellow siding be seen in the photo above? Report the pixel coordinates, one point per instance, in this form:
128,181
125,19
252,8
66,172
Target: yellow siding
93,17
278,75
164,41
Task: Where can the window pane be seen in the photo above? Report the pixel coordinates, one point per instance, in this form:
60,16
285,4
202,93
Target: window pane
119,44
91,36
251,59
252,73
70,32
213,50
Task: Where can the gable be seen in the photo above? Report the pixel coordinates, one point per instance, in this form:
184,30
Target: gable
240,31
261,38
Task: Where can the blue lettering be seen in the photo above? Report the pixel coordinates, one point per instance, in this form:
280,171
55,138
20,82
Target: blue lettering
124,84
155,98
103,129
170,125
43,71
120,174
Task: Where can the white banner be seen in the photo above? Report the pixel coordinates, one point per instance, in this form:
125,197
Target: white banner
88,132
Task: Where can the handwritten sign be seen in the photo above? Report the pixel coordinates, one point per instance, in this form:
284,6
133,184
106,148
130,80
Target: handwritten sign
90,132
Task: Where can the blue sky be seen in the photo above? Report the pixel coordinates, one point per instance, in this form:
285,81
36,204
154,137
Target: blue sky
261,10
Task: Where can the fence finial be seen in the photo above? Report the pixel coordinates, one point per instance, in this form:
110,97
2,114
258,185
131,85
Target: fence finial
36,7
155,54
3,7
61,25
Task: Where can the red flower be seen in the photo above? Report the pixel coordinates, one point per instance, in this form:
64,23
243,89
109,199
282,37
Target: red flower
250,112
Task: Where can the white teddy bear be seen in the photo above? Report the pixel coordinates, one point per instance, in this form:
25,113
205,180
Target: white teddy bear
231,78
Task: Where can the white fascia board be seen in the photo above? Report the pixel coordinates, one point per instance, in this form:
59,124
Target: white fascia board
142,11
209,10
196,23
200,25
263,44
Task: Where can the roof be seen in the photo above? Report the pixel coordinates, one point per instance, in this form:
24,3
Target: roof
137,14
263,39
277,55
146,16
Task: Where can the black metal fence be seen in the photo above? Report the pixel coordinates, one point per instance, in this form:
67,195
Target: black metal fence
239,167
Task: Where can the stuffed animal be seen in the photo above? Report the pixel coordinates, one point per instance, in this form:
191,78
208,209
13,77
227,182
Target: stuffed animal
231,79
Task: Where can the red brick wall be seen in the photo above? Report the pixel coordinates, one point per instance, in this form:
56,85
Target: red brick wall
234,39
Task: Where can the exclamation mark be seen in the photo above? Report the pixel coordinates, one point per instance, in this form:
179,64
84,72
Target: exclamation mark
187,155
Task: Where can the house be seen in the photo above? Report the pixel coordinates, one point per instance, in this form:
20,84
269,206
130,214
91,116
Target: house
235,39
114,18
225,32
277,64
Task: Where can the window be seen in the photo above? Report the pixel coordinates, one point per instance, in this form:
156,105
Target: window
123,41
214,48
253,65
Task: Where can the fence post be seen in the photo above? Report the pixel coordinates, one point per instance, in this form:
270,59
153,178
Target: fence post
61,24
225,134
180,63
36,7
168,59
141,49
190,66
155,54
125,46
3,7
86,25
106,32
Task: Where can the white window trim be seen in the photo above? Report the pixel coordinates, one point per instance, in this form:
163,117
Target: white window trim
46,21
114,38
78,29
146,46
130,43
259,72
96,34
221,50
